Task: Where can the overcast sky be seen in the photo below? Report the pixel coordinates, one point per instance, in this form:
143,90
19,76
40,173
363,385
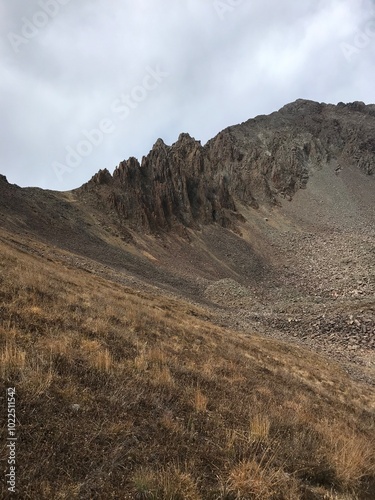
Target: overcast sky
85,84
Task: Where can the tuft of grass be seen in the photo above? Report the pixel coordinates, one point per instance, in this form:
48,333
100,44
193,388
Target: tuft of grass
260,427
145,483
170,484
352,457
260,481
37,380
141,361
12,361
200,400
97,356
160,375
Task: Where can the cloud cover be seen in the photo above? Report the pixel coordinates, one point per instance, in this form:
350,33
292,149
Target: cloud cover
87,84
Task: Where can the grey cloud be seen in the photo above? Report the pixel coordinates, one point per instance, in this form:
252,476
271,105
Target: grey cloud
253,59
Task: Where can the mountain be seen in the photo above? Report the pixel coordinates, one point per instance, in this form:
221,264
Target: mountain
255,163
200,324
282,206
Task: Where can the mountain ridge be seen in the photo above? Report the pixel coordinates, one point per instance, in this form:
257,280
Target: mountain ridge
257,162
258,165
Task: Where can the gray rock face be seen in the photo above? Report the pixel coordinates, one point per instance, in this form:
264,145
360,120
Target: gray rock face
257,162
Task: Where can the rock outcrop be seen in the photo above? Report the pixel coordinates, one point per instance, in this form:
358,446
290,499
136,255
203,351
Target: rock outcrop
257,162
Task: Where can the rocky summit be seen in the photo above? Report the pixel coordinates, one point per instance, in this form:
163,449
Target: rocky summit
258,162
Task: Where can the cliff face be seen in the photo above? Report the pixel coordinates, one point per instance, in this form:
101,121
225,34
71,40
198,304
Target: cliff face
254,163
174,186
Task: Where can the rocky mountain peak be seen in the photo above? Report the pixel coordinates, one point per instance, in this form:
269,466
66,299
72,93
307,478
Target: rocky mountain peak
260,161
159,145
185,138
101,177
302,106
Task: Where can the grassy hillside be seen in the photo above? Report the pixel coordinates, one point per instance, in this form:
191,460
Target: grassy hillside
123,394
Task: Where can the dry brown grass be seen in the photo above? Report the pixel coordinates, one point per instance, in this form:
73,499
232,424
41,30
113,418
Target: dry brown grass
259,481
351,456
169,484
12,359
123,394
97,356
199,400
260,427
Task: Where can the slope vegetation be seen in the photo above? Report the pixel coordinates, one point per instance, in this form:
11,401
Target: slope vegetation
128,394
